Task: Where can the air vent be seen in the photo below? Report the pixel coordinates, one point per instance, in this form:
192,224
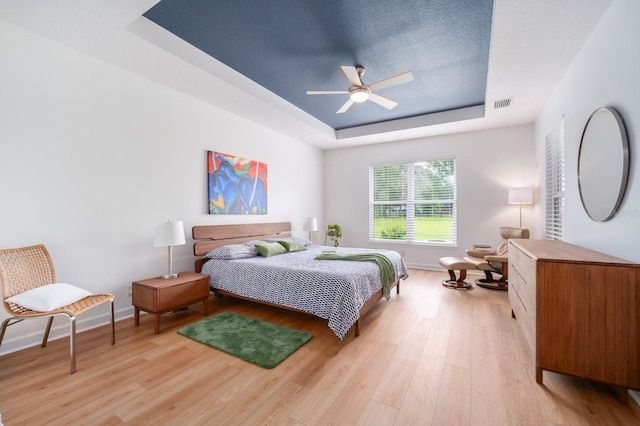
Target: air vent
502,103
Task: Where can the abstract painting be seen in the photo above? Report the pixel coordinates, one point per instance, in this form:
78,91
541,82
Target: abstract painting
236,185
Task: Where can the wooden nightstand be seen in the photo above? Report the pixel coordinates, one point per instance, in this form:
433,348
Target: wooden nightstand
158,296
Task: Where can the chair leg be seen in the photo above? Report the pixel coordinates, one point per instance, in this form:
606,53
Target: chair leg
113,324
457,283
488,278
500,284
45,338
72,343
5,324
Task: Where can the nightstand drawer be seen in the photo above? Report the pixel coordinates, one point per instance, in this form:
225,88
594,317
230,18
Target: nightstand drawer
183,294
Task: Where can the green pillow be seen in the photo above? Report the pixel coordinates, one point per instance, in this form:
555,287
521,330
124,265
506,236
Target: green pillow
292,246
270,249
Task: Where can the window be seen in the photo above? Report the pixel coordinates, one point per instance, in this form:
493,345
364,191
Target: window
554,183
413,202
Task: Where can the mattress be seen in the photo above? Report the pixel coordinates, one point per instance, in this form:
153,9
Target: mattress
334,290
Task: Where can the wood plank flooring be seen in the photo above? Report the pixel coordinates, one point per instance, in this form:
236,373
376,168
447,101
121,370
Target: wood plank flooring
430,356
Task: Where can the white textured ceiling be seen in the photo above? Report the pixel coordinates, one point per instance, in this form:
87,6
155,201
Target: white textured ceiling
532,45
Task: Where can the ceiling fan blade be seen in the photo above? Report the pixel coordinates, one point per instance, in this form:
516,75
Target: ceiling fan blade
345,107
327,92
352,75
381,100
404,77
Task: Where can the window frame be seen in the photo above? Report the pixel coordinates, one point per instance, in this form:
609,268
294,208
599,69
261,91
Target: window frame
410,202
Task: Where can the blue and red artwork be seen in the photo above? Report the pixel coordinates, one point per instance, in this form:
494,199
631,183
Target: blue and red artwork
236,185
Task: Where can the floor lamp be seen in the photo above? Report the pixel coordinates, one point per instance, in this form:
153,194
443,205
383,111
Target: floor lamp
520,197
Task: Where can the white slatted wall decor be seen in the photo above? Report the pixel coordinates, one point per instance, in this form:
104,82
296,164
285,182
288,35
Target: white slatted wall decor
554,183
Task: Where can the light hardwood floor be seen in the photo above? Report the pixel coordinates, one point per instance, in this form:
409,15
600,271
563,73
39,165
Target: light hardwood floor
429,356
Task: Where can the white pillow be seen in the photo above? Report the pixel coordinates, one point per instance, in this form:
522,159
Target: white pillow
233,251
298,240
49,297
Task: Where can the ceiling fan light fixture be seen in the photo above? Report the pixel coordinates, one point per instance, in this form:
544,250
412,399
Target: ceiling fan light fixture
359,94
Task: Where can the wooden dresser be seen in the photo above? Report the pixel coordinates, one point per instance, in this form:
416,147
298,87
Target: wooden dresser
578,310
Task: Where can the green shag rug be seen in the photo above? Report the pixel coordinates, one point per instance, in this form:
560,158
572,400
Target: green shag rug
259,342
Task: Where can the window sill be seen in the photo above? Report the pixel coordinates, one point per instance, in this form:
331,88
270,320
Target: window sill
428,243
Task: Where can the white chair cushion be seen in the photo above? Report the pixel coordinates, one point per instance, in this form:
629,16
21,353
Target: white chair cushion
49,297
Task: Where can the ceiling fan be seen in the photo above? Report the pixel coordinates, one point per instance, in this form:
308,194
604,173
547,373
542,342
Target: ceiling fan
360,92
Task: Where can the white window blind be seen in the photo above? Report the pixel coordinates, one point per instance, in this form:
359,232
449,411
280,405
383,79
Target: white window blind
554,183
413,201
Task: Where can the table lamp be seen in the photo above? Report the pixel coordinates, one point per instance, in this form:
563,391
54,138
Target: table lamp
310,224
169,234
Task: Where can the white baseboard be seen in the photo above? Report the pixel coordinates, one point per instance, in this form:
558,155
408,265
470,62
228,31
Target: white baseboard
59,330
430,267
423,266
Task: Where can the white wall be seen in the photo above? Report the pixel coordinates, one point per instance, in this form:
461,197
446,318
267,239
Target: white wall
92,157
606,72
488,162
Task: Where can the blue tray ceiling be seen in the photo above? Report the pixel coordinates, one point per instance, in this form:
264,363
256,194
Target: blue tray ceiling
291,46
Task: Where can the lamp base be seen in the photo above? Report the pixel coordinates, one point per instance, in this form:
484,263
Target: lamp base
169,276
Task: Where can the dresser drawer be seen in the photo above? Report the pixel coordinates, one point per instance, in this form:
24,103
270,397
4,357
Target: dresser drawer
515,287
525,265
523,307
522,293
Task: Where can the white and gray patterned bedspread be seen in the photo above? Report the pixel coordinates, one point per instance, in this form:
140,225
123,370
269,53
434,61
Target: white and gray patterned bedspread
330,289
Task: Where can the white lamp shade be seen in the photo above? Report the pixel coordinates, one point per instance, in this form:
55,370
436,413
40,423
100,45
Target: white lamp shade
521,196
169,233
310,224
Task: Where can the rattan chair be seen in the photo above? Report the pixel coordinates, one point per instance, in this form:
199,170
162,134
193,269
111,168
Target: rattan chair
25,268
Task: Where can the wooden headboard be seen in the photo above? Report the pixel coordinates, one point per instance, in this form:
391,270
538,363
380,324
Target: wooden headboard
213,236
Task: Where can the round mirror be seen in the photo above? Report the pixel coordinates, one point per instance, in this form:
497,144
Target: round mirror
603,164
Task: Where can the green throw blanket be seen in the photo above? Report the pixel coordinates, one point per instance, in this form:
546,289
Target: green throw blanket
387,270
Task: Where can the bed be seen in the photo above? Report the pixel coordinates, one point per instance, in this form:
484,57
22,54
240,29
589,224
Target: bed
336,290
